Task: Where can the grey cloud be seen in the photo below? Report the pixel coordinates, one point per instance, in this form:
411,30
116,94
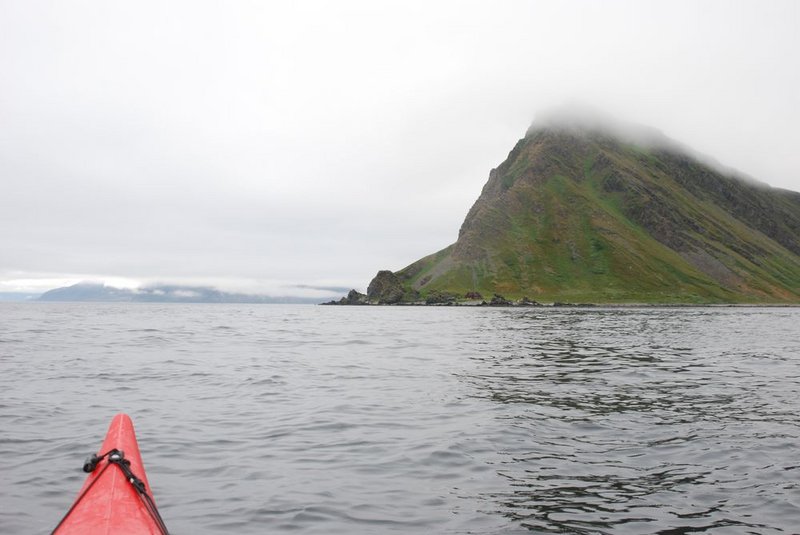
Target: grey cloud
316,143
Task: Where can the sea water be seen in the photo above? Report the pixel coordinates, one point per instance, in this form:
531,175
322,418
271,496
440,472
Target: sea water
306,419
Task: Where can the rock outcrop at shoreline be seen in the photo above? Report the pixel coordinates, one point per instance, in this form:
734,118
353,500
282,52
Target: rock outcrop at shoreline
387,289
354,297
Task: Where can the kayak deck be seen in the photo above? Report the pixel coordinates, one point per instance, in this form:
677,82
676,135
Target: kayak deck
109,502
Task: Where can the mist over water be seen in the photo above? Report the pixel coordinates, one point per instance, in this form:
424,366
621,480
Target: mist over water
260,418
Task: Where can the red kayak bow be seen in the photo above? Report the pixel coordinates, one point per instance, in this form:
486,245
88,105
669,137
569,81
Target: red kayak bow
116,497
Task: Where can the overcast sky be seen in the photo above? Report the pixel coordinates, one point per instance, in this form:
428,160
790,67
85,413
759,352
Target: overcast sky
261,145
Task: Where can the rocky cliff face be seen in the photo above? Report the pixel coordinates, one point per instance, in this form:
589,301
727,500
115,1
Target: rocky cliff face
386,288
593,213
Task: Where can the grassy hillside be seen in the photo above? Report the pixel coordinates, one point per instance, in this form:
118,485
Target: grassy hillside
583,216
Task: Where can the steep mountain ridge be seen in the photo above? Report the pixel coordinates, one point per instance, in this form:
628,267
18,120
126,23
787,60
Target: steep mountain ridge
585,213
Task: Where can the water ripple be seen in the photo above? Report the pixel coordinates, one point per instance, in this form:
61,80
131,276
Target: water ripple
258,419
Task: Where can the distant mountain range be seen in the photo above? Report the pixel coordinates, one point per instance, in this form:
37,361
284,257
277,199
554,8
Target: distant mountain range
162,294
590,211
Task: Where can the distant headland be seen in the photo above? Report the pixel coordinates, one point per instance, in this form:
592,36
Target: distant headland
585,210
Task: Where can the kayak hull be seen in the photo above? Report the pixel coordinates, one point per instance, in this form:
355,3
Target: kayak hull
108,503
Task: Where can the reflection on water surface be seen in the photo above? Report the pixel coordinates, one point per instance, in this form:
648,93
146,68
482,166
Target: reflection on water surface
657,421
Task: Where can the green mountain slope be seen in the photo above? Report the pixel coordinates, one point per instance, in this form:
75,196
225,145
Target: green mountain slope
587,214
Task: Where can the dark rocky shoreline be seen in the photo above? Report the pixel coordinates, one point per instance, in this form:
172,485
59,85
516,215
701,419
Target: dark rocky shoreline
355,298
387,289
